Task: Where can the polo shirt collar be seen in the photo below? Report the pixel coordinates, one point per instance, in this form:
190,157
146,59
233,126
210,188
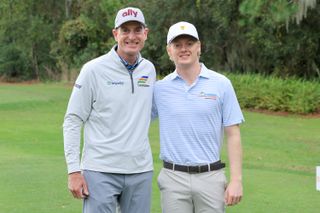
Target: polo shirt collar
204,73
175,75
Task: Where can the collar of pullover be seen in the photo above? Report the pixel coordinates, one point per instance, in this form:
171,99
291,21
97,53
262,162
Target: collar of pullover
130,67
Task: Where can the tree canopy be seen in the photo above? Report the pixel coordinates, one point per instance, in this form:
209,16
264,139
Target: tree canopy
52,39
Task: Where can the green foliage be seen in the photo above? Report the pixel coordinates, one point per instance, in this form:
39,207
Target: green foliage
28,27
276,48
267,12
243,36
276,94
12,64
87,35
213,19
55,37
74,37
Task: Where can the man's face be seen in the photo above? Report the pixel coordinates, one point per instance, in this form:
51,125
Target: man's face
130,37
184,50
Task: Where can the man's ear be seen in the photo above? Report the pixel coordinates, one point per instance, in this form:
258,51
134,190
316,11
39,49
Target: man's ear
169,52
146,31
115,34
199,50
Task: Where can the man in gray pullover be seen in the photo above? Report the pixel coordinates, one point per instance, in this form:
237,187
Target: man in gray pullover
111,100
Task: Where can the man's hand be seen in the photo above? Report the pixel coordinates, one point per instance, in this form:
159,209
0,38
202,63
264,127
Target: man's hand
77,185
233,193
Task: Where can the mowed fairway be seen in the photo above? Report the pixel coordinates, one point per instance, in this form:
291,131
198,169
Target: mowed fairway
280,156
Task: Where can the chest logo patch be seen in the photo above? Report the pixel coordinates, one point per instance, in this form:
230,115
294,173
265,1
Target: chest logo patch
208,96
115,83
142,82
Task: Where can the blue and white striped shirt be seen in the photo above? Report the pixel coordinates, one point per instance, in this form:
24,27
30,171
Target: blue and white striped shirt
192,117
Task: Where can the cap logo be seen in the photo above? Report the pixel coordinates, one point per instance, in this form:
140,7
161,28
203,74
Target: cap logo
130,12
182,27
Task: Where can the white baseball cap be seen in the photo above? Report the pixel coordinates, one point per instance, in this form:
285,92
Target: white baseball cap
129,14
181,28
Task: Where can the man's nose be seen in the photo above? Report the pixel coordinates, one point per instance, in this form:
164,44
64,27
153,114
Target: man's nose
131,35
184,47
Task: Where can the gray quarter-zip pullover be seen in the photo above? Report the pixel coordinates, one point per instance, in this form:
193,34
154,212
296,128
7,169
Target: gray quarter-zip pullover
115,119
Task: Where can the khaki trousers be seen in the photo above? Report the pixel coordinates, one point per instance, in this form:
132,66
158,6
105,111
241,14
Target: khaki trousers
182,192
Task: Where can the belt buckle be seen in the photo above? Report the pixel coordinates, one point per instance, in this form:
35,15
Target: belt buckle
193,169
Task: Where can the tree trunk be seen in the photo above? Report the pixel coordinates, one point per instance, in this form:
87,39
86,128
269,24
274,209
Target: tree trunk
35,64
68,5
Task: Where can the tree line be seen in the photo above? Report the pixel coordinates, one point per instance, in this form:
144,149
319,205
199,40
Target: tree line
52,39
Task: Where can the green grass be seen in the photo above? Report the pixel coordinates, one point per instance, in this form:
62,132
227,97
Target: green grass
280,156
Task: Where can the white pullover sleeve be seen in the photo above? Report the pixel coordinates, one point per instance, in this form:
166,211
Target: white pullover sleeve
72,136
79,109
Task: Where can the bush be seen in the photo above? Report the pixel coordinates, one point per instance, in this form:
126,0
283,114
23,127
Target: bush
271,93
13,64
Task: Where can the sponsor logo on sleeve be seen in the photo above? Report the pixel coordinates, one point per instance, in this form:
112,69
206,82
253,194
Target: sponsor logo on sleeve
77,86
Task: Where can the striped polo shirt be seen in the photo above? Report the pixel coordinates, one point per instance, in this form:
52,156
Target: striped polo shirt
192,117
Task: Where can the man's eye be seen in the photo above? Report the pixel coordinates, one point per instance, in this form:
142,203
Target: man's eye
125,30
139,30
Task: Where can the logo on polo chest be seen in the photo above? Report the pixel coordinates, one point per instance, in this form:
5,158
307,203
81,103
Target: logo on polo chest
208,96
142,82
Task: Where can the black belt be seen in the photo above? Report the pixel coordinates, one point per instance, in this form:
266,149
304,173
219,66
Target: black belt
194,169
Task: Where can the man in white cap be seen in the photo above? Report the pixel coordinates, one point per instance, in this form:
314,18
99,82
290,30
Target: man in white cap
196,106
112,99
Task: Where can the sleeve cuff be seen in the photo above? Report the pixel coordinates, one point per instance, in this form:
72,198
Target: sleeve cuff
73,168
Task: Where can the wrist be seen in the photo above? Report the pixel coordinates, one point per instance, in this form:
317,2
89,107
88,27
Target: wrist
74,173
238,179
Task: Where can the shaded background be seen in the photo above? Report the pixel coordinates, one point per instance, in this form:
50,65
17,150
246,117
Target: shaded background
50,40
